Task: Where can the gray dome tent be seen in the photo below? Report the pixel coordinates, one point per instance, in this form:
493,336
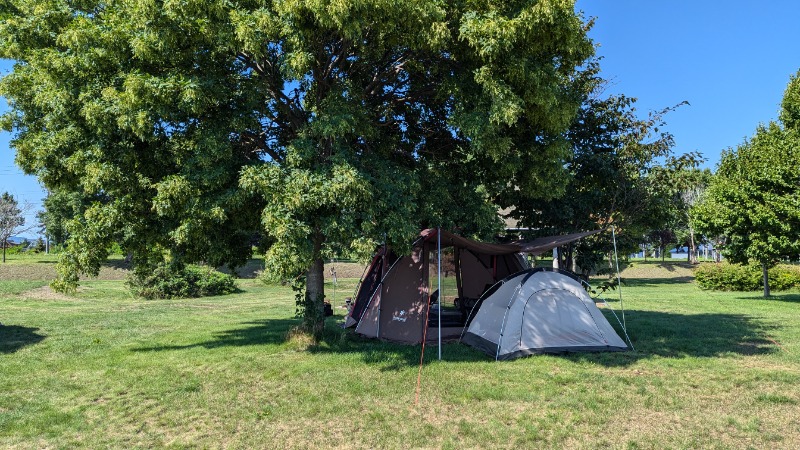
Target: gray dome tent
538,311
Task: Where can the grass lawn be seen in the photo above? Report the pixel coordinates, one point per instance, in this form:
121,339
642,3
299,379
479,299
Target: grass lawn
104,369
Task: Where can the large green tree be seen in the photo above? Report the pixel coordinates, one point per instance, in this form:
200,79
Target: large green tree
754,198
328,126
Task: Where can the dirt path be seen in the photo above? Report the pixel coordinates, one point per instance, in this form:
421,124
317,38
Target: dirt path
46,271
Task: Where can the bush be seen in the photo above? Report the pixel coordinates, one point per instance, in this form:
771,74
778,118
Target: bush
736,277
14,250
169,281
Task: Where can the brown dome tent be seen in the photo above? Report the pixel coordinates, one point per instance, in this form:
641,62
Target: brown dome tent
392,300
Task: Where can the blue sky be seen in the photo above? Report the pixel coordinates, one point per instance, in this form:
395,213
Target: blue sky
730,60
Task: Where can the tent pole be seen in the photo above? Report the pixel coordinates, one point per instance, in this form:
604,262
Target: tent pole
439,285
619,280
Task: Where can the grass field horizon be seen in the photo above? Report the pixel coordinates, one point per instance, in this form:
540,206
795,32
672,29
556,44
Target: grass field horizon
106,369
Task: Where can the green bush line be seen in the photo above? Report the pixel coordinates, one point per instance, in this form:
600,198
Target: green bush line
191,281
736,277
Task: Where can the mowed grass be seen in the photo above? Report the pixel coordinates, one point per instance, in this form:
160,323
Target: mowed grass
104,369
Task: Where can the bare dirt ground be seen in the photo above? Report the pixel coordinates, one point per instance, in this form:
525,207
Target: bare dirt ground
674,269
344,270
44,293
46,270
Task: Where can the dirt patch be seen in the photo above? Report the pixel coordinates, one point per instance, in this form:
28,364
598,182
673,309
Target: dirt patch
46,271
344,270
657,269
44,293
251,269
28,272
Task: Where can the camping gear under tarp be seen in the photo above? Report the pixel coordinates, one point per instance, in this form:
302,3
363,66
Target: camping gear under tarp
393,297
539,311
396,307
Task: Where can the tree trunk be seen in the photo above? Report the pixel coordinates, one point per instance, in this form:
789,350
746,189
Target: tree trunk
765,274
314,318
575,260
693,250
314,315
569,257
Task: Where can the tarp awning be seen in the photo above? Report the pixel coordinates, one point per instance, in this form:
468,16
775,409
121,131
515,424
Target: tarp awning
534,247
543,244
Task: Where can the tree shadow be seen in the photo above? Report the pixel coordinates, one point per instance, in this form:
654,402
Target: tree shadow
389,356
657,281
670,266
789,297
259,332
671,335
250,270
119,264
15,337
654,334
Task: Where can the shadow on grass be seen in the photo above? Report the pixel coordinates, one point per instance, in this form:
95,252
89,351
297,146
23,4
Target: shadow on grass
790,297
656,281
670,335
260,332
671,265
654,334
250,270
336,340
15,337
119,264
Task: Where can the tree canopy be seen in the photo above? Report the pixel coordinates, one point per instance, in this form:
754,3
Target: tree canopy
325,127
754,197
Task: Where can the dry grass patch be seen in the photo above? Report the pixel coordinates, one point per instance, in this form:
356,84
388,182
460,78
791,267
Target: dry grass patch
45,293
672,270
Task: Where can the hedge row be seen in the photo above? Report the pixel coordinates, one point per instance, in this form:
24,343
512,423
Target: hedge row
736,277
167,281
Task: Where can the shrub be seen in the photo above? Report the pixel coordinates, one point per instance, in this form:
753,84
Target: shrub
169,281
736,277
14,250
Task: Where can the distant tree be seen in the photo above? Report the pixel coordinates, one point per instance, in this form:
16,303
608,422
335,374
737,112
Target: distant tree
11,219
686,182
326,126
59,208
40,245
663,240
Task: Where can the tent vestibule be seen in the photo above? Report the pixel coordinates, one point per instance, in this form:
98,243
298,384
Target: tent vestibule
392,301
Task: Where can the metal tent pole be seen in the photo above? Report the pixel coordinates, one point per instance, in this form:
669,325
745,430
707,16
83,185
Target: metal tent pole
619,280
439,285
